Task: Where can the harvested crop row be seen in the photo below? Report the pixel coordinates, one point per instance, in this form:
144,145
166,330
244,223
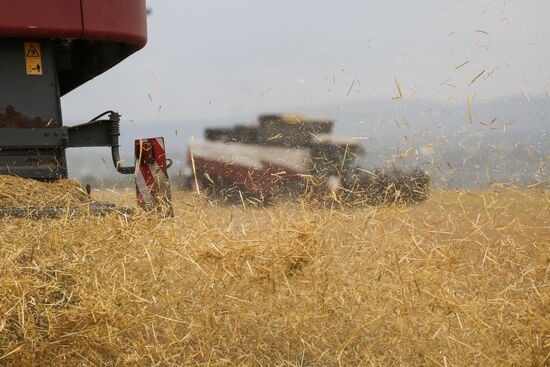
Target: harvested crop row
18,192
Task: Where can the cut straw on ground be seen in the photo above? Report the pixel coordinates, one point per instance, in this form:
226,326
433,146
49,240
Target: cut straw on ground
459,280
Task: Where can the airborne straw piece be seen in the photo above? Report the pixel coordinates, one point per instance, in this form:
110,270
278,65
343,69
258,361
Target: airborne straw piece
488,124
350,87
194,170
482,31
400,94
477,77
275,137
461,65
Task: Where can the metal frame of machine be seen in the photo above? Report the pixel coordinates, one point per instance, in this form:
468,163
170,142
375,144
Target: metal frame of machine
47,49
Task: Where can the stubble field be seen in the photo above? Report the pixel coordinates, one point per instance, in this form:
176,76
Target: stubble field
460,280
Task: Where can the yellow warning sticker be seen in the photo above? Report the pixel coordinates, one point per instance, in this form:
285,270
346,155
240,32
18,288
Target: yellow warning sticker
33,58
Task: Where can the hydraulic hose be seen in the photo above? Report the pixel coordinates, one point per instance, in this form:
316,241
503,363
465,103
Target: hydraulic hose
115,146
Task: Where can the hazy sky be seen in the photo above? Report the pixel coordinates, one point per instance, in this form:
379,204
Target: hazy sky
211,59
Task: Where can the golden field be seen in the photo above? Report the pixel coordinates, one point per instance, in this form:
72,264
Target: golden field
462,279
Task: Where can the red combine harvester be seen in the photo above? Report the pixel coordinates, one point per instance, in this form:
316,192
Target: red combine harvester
290,155
47,49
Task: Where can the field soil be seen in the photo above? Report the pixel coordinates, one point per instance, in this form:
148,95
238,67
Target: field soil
462,279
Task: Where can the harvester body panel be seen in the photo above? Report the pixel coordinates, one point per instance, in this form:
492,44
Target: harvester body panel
90,36
256,168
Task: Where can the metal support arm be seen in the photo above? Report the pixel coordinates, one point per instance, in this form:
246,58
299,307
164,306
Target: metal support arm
101,133
95,133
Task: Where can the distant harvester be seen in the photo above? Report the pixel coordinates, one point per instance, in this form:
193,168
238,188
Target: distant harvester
292,155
